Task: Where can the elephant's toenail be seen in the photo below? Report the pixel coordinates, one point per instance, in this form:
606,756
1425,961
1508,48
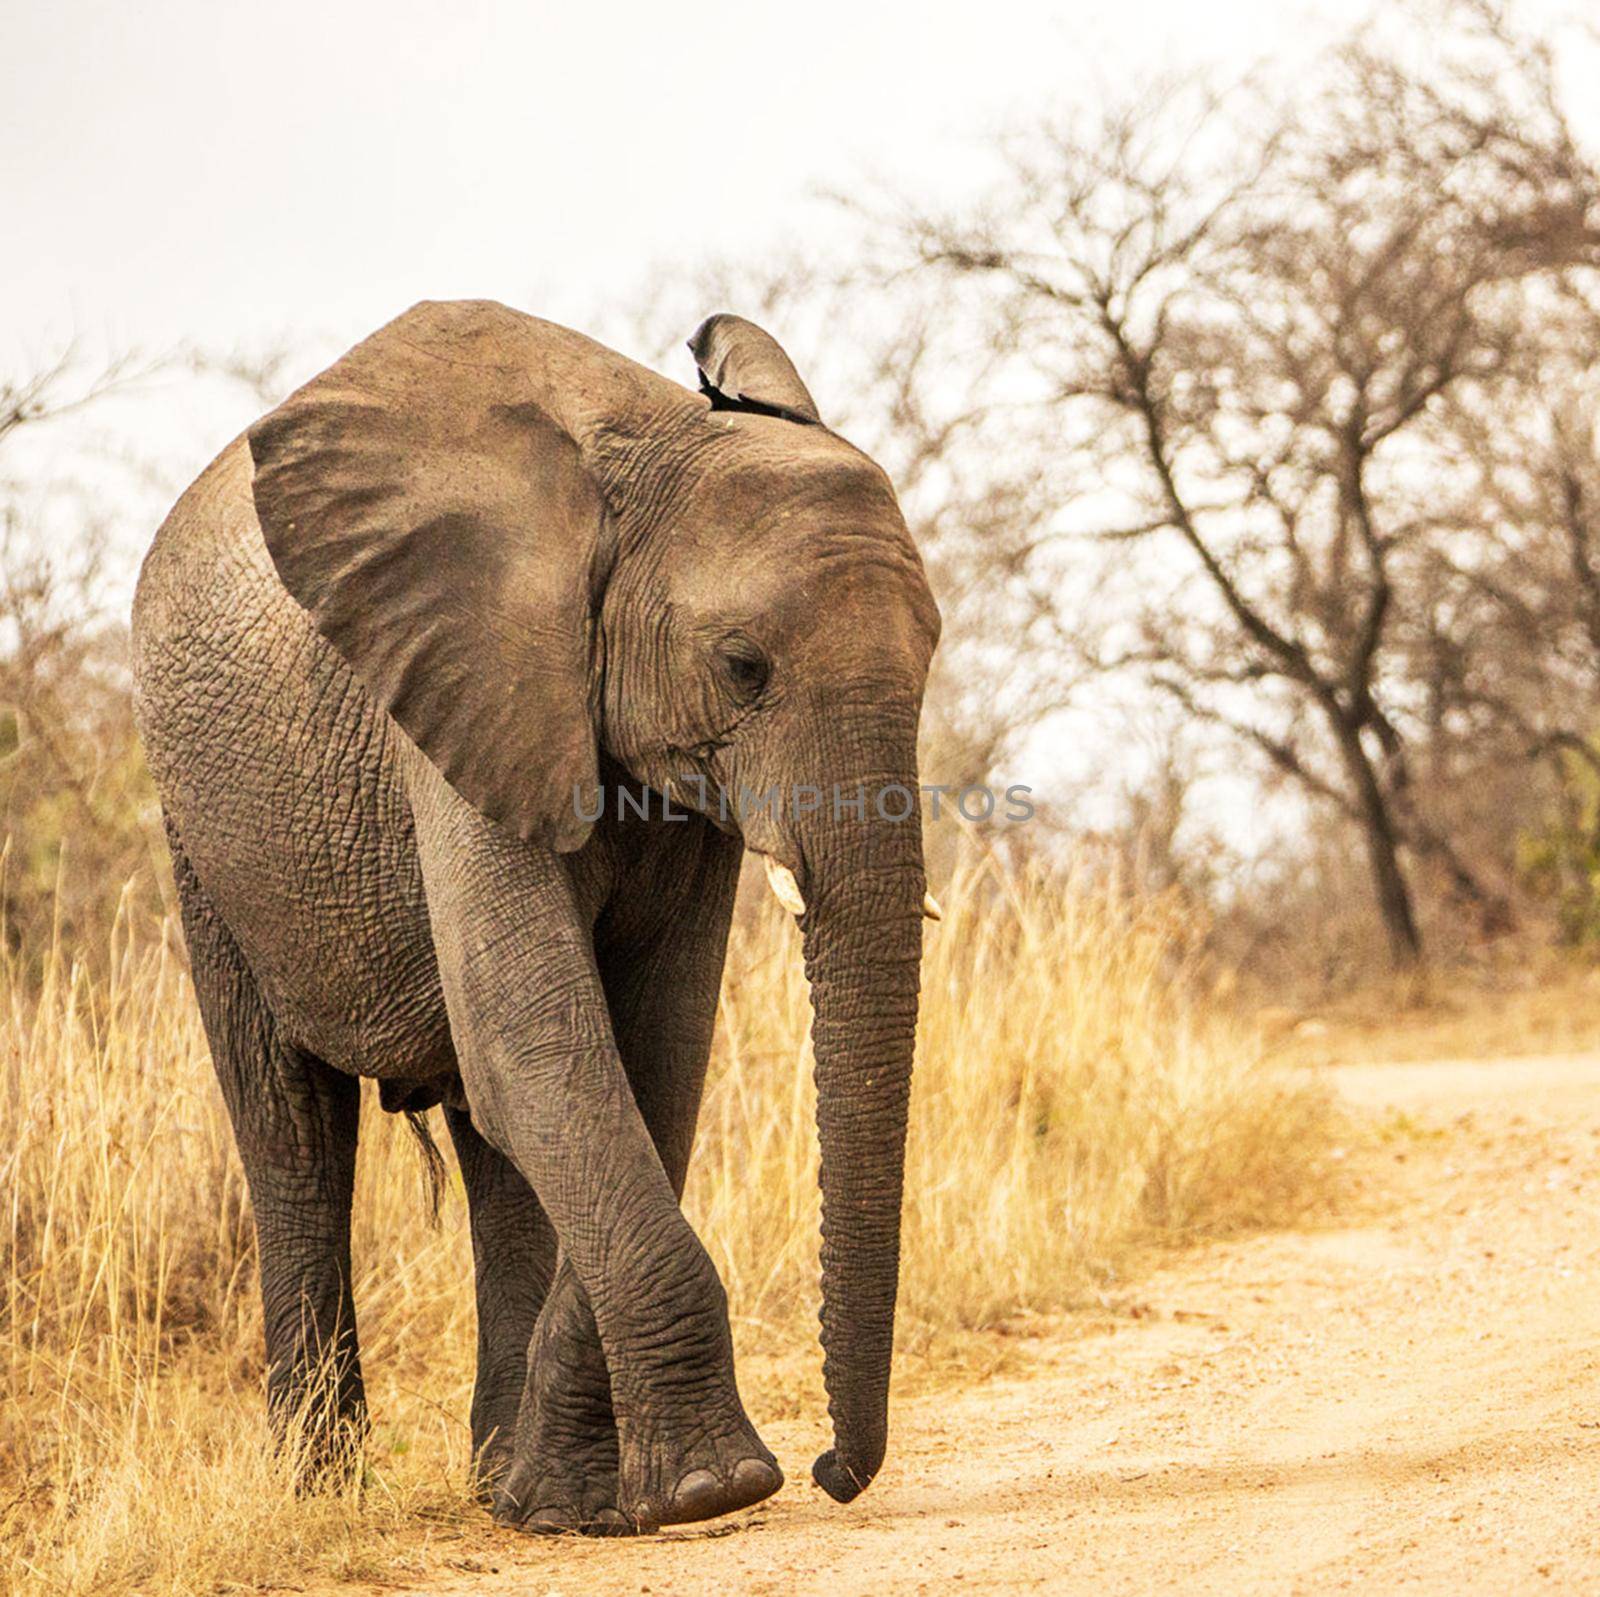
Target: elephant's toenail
697,1495
753,1479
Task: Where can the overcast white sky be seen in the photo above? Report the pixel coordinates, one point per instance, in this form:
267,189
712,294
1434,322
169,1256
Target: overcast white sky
188,169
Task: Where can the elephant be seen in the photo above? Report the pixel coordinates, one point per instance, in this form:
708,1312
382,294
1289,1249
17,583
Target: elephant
392,649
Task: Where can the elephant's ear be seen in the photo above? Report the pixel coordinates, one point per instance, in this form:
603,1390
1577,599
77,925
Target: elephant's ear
442,531
744,368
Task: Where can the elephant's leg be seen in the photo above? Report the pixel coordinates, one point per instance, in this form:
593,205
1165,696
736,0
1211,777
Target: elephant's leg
547,1086
567,1456
514,1257
294,1120
661,984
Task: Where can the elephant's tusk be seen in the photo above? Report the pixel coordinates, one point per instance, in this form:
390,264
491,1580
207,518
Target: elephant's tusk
930,908
784,887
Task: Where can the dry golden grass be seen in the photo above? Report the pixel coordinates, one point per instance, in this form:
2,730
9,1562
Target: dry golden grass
1543,1002
1074,1098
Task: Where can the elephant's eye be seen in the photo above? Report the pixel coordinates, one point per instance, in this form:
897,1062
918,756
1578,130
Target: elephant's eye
744,665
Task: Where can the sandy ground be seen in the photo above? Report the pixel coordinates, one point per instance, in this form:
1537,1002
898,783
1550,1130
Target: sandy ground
1408,1403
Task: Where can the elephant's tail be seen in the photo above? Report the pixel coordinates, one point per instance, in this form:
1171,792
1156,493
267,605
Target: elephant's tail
434,1173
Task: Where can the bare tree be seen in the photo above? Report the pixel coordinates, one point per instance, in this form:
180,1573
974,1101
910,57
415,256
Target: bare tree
1240,348
1520,582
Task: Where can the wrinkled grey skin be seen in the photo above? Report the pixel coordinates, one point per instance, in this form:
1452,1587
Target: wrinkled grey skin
478,564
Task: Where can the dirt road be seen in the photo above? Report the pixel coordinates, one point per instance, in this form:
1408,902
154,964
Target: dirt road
1408,1403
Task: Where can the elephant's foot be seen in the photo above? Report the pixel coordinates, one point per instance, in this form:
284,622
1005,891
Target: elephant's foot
562,1472
563,1491
496,1402
328,1468
491,1463
326,1451
664,1484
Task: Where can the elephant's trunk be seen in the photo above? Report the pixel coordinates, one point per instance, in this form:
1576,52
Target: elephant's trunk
864,887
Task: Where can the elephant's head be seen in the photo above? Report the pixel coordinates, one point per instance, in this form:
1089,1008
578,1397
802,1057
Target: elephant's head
541,556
